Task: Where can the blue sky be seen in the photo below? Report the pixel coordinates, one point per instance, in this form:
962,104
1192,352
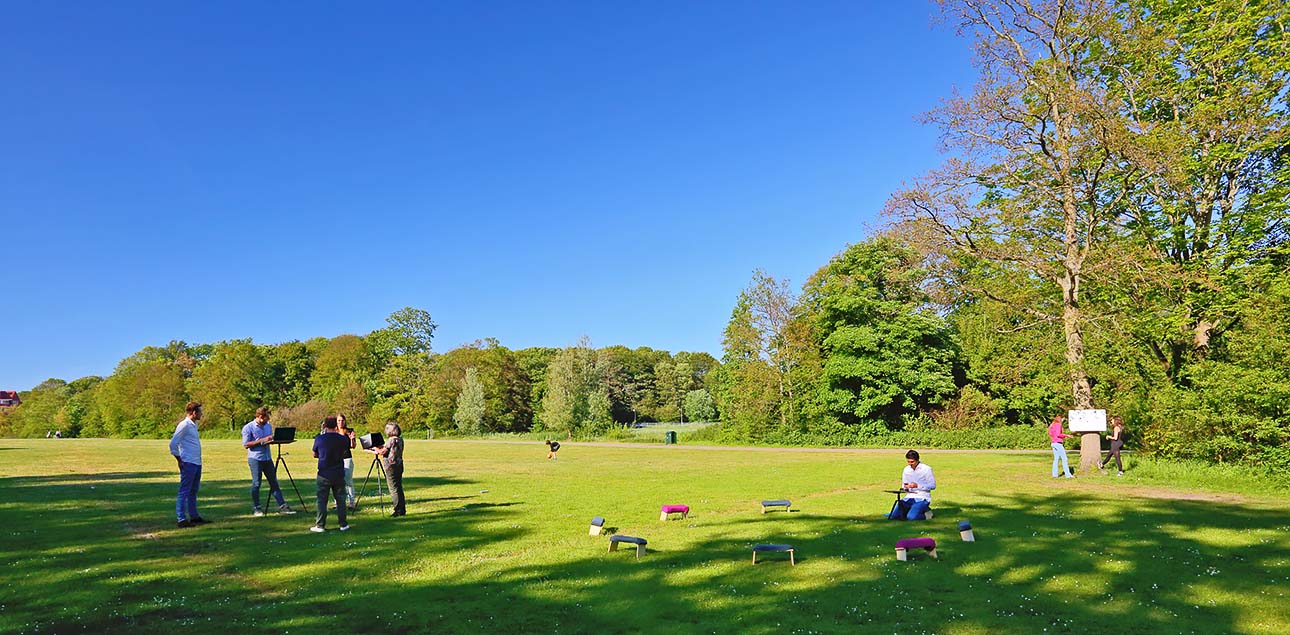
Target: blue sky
527,171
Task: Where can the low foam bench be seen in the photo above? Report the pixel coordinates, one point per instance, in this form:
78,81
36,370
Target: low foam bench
597,525
903,547
774,549
616,539
683,510
783,502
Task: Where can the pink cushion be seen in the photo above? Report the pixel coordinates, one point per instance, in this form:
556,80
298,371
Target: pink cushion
916,543
676,509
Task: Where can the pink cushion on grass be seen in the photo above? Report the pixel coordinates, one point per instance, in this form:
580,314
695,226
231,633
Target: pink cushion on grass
916,543
676,509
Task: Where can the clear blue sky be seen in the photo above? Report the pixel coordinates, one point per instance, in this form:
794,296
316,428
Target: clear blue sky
527,171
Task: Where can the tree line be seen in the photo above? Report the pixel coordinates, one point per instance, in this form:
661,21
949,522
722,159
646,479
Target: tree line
390,374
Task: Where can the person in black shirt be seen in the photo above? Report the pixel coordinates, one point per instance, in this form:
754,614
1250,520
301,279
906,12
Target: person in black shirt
330,448
553,446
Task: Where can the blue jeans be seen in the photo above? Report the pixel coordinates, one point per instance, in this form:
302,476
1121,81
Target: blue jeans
1059,453
910,509
190,480
269,471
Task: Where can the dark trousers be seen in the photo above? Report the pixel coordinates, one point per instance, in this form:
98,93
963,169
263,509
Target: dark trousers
334,487
1115,454
394,478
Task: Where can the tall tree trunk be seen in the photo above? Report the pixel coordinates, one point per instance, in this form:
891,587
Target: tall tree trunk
1090,446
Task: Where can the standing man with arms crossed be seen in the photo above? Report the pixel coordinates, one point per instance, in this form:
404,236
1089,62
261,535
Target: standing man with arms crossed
186,446
330,448
256,436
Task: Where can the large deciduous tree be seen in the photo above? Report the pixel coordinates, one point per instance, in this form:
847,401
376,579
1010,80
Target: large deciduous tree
1204,86
1036,178
886,355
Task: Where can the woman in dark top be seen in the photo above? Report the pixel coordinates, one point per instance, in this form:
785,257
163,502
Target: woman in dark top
349,461
1117,442
392,460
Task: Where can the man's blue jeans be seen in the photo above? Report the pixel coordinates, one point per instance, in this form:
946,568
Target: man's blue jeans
1059,453
269,471
190,480
911,509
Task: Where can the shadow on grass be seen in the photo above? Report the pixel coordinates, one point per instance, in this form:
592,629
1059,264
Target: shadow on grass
115,563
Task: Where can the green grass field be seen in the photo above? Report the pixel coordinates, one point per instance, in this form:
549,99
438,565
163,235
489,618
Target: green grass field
496,541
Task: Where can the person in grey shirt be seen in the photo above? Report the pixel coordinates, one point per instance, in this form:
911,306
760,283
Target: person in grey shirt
392,460
256,437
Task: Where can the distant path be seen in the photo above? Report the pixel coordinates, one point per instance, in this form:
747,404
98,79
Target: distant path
741,448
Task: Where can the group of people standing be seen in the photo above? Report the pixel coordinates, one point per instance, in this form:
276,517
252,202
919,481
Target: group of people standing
333,448
1057,437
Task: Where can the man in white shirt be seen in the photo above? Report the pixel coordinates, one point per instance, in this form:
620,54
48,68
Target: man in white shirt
918,482
186,446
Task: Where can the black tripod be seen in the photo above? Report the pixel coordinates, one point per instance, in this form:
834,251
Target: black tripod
282,462
376,465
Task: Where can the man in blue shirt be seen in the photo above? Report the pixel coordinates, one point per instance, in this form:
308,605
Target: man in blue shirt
186,447
256,437
330,448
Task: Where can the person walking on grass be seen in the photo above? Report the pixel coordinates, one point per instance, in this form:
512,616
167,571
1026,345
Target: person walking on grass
552,448
348,433
186,447
329,448
1056,436
1117,442
256,437
392,460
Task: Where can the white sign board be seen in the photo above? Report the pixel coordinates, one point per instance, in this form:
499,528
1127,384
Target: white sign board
1087,420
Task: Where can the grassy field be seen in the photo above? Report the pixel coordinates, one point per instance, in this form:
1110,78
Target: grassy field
496,541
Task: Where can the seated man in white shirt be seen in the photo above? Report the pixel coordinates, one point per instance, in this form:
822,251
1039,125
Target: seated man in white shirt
917,480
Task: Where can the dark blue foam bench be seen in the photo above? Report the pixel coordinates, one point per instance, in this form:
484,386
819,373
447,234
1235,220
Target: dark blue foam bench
774,548
783,502
639,542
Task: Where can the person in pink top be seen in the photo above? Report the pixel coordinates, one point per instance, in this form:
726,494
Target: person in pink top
1059,450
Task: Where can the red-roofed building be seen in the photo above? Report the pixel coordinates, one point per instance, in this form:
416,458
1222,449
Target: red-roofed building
9,398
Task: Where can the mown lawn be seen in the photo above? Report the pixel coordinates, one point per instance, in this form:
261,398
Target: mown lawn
496,541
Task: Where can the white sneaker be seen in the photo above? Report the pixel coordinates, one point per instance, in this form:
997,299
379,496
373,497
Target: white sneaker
258,513
285,509
316,529
344,527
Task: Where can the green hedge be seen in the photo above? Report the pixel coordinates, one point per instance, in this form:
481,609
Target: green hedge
999,438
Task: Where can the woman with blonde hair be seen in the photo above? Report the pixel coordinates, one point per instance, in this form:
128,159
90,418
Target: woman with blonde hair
392,460
348,432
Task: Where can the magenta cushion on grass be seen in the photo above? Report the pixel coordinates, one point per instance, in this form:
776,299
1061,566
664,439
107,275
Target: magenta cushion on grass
916,543
676,509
